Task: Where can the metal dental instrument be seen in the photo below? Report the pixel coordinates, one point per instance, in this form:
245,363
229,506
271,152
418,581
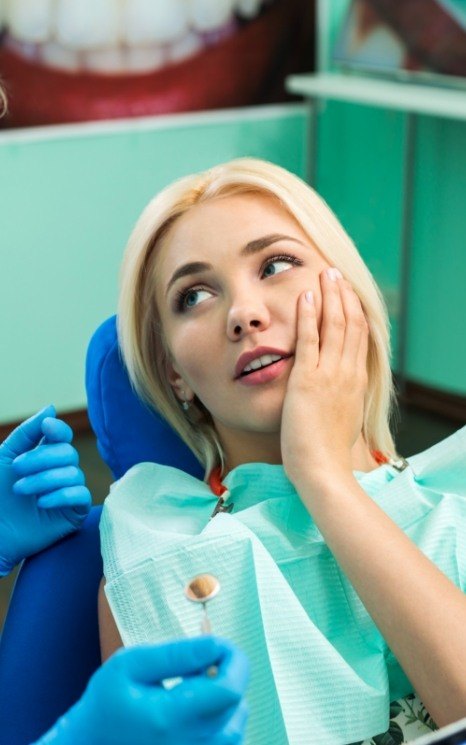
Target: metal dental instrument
201,589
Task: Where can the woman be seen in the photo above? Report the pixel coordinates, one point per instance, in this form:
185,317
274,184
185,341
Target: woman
315,516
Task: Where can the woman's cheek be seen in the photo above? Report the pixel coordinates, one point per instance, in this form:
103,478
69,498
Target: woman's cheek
194,365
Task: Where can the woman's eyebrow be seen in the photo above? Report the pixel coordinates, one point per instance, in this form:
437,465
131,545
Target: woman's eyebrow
196,267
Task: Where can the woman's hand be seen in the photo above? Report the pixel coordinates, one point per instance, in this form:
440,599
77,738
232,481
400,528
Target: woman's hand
324,404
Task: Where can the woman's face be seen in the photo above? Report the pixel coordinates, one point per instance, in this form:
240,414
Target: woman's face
258,261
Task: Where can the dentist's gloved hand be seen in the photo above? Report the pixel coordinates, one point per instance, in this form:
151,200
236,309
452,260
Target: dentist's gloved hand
125,702
42,491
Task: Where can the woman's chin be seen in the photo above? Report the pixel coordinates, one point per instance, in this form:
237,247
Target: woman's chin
244,68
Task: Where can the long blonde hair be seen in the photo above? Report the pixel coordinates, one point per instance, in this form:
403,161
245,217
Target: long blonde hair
141,335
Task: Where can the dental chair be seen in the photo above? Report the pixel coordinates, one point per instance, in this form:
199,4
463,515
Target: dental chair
50,643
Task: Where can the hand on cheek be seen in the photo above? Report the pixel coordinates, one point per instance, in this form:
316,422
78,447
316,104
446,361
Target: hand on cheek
324,403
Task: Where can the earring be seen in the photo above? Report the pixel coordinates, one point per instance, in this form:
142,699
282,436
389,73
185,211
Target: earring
185,404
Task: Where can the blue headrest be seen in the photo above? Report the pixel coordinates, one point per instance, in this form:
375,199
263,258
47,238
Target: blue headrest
127,431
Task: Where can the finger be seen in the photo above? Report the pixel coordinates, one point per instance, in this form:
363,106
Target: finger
150,664
212,696
233,669
45,457
307,334
332,332
234,731
227,728
356,326
77,497
28,434
56,430
48,481
361,362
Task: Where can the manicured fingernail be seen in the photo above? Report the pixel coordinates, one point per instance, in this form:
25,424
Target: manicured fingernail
310,297
334,274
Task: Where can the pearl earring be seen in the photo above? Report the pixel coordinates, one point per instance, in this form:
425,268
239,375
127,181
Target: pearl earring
185,404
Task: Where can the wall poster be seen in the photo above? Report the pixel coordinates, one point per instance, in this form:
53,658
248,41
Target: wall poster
80,60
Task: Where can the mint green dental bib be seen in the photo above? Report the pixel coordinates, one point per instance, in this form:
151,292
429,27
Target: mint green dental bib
321,671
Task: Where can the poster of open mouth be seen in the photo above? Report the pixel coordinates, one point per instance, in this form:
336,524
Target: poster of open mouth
426,37
80,60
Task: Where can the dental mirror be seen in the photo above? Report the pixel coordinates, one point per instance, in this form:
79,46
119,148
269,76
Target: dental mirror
201,589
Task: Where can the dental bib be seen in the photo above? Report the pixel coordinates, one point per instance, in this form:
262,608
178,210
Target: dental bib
321,671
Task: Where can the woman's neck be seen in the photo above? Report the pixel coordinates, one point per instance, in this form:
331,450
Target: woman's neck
361,456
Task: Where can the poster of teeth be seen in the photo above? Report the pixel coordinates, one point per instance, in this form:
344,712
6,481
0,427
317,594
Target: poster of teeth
85,60
413,37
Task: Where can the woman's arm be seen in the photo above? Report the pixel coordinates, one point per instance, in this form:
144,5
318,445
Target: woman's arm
418,610
110,639
420,613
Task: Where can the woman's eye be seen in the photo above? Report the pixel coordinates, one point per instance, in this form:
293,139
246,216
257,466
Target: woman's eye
190,298
280,264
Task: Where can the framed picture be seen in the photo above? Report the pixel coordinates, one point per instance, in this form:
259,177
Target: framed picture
414,38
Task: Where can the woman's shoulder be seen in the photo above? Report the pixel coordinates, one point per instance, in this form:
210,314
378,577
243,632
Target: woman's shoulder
443,465
148,470
156,477
149,488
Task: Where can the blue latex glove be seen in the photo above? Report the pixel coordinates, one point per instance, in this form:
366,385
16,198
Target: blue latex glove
125,702
42,491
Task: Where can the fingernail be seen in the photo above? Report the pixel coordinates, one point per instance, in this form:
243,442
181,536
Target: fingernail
310,297
43,410
333,273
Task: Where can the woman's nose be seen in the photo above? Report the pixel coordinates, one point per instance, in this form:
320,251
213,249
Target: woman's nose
246,318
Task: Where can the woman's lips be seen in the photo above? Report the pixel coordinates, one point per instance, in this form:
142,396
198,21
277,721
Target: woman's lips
264,374
244,69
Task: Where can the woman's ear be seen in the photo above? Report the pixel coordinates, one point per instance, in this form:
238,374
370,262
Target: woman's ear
181,389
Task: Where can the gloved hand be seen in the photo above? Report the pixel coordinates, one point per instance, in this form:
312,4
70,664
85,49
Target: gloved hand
125,702
42,491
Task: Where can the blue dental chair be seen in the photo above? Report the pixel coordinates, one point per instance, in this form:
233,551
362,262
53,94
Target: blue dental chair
50,643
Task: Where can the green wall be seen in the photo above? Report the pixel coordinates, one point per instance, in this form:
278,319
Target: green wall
360,160
437,311
359,173
69,197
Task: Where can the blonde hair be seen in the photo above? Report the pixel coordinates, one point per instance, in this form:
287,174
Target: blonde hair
141,335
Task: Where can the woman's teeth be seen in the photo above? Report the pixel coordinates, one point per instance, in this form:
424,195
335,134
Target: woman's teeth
186,47
264,361
248,8
119,36
29,20
207,15
87,24
154,21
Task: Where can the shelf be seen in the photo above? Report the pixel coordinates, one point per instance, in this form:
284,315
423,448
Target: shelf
408,97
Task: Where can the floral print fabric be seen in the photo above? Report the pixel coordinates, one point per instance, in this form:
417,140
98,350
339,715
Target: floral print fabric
409,720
